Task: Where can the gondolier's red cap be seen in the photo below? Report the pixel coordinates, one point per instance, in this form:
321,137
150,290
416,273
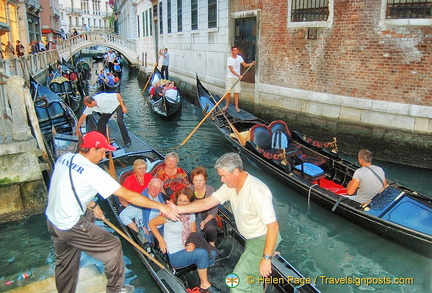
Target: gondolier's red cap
96,139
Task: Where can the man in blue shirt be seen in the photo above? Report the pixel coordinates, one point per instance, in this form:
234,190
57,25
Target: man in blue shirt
165,62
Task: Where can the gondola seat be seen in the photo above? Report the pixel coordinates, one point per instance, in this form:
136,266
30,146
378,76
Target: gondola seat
58,117
310,171
271,145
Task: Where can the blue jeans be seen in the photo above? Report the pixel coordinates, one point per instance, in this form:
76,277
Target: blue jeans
199,257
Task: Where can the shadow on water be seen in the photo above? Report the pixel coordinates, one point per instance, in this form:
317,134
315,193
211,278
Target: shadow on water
321,245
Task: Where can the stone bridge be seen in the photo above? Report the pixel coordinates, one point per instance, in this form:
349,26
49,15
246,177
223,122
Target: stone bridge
68,47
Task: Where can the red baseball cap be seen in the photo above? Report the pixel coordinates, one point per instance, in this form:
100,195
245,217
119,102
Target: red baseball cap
96,139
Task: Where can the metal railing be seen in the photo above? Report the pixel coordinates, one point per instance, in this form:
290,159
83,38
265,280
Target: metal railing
402,9
309,10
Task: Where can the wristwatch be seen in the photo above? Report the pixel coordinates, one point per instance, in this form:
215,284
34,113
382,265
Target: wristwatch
266,256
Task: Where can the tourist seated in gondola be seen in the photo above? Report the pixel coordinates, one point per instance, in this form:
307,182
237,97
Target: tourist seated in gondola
174,177
206,219
367,181
116,78
175,236
158,91
110,79
170,86
101,77
137,218
138,180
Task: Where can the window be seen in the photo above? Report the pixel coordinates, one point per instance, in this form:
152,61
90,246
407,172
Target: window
138,26
179,15
169,15
150,22
309,10
194,14
212,13
145,26
399,9
160,19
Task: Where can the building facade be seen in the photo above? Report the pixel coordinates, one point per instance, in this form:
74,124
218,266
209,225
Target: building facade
337,65
85,15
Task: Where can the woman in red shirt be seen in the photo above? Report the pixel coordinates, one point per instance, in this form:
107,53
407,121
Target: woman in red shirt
139,180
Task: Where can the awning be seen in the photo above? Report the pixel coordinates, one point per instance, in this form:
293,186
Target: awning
4,26
45,31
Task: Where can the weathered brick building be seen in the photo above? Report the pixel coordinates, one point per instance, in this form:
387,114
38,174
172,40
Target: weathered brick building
358,69
355,69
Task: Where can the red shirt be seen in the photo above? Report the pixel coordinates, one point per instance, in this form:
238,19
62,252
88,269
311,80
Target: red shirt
132,183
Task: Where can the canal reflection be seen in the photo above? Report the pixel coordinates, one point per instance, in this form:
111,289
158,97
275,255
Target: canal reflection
321,245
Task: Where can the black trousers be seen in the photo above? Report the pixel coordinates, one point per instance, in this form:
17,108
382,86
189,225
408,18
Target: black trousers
96,242
164,71
103,120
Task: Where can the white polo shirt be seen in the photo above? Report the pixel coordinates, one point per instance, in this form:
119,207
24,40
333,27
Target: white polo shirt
252,206
89,179
106,104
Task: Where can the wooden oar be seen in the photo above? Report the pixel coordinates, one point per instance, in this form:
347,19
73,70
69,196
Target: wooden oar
148,81
114,176
134,243
211,110
240,137
111,169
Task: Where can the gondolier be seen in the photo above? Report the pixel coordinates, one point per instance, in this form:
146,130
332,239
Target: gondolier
74,184
106,104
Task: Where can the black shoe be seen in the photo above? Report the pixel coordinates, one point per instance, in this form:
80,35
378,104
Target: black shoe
211,289
126,145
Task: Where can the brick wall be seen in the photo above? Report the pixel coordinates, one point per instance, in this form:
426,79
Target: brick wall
354,57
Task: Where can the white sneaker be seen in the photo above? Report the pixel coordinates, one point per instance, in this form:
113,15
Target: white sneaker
127,289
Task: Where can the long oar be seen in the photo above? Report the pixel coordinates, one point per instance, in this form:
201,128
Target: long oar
111,169
113,175
133,243
240,137
211,110
148,81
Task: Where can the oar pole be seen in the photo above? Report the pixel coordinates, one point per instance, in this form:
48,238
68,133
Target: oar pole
240,138
111,170
148,81
211,110
128,239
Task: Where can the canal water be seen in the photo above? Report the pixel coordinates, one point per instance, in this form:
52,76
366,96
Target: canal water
322,246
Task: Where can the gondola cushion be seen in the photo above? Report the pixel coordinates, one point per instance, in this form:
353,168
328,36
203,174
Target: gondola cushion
310,170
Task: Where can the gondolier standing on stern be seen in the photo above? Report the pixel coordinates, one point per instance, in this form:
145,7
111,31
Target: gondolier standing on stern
251,202
234,63
71,210
106,104
165,62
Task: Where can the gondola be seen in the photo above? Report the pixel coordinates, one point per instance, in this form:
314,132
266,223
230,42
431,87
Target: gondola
103,87
230,242
397,213
65,89
56,118
168,104
98,57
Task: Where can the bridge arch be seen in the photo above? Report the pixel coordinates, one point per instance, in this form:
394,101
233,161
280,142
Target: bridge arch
68,47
